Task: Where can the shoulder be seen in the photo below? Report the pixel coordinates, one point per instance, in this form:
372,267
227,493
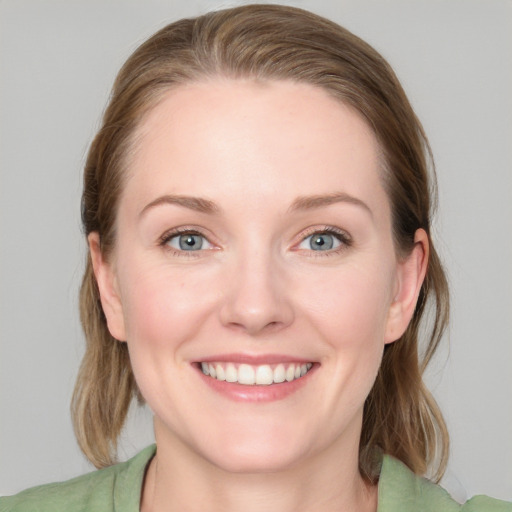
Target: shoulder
117,487
486,504
400,490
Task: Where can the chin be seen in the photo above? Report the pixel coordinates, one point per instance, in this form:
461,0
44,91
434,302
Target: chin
246,460
257,450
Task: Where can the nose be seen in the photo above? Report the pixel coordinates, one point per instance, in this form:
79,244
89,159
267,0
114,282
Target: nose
257,297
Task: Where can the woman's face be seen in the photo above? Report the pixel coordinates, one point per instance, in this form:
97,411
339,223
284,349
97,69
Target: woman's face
254,241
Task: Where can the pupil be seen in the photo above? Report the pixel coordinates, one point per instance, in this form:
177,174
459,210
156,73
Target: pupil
324,242
189,242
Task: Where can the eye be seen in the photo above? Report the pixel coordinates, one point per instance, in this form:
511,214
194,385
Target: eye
324,240
187,241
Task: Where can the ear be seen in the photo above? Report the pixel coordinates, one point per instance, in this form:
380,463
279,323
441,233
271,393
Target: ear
410,275
107,285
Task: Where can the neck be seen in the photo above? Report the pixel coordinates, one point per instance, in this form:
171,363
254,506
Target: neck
178,479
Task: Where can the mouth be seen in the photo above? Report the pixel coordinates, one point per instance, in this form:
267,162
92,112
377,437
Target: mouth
255,375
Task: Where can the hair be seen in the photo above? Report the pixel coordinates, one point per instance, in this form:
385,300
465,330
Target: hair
271,42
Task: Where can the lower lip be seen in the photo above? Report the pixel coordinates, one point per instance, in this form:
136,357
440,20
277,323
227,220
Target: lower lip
243,393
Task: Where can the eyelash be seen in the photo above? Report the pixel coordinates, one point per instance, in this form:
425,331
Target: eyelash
344,239
342,236
169,235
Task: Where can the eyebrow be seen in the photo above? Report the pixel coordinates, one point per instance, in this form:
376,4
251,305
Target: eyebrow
318,201
197,204
202,205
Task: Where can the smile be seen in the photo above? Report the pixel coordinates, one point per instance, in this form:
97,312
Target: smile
260,375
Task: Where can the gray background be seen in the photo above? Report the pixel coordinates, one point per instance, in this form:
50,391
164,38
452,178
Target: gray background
57,62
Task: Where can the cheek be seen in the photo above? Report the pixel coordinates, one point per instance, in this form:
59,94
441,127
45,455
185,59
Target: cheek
164,306
349,311
351,303
164,310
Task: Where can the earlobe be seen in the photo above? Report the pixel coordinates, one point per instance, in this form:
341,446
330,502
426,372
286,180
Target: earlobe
411,273
109,293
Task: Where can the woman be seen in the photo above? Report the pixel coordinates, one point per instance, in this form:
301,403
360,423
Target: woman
257,210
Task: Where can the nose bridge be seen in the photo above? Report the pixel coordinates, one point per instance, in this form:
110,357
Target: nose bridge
256,297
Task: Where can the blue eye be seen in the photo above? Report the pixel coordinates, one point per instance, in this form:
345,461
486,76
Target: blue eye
322,241
188,242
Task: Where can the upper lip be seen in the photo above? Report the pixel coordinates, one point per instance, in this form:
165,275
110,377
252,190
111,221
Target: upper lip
254,359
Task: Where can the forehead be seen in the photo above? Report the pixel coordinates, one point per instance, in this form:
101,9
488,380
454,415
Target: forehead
228,136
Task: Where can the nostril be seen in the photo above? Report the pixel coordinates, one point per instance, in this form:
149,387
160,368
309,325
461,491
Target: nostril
254,328
256,308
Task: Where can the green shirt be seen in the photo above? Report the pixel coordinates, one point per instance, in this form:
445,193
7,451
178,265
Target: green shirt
118,489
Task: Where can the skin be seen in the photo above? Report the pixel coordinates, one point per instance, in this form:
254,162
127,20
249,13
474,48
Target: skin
257,287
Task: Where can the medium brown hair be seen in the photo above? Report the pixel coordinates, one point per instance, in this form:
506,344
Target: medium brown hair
271,42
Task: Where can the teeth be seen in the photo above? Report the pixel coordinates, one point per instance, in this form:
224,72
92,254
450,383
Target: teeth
246,375
262,375
231,373
279,374
221,374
